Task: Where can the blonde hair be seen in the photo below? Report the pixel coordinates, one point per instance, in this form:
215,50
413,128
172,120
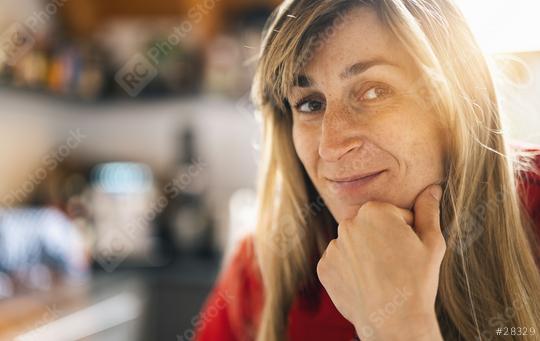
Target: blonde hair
488,277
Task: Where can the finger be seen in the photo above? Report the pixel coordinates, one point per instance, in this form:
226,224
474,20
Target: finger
427,215
378,207
407,215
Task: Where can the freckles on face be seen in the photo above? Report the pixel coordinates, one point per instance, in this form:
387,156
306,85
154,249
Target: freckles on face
359,128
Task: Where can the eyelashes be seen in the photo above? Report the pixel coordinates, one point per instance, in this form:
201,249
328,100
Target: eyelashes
377,93
309,104
372,94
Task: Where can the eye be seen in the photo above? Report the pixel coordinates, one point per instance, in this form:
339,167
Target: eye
309,106
376,93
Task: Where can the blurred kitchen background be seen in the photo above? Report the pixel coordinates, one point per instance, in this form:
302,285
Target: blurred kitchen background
128,154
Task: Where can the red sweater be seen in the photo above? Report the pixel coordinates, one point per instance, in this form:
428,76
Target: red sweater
235,303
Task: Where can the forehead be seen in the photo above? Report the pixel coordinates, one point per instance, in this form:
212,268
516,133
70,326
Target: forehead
359,35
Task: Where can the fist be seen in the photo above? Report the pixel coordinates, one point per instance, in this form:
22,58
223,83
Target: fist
384,256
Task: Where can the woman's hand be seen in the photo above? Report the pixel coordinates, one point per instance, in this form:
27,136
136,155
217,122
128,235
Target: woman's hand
382,273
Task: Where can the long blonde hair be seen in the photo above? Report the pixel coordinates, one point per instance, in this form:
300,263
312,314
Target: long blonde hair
489,276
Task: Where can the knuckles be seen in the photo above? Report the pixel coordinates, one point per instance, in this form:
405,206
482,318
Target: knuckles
321,267
440,244
343,228
324,260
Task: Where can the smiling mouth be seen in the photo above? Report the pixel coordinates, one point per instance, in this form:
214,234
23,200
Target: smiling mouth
355,178
353,185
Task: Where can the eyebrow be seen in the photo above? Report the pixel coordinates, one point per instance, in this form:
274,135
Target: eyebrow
303,81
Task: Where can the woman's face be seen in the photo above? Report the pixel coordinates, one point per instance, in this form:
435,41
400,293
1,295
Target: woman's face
358,110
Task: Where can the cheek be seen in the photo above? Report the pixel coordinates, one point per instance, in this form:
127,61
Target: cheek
306,146
429,143
421,150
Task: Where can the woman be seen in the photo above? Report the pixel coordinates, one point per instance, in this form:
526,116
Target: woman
388,201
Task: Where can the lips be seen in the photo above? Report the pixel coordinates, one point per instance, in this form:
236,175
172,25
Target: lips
354,187
355,177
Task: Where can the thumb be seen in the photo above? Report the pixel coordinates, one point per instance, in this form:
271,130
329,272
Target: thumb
427,215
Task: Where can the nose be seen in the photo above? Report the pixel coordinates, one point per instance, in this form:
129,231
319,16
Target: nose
339,134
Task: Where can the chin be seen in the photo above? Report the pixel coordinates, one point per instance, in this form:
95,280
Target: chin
342,210
345,212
